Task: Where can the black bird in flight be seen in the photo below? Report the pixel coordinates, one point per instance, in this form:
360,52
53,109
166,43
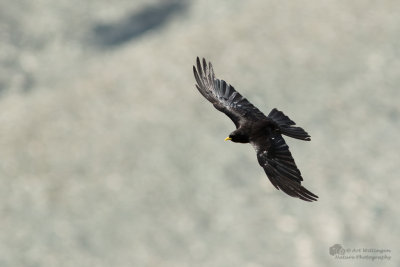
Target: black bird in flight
264,133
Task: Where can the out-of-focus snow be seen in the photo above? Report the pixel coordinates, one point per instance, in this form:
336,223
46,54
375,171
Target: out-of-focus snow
110,157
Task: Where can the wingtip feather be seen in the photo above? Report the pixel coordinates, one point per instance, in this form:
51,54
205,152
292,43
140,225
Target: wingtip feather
199,69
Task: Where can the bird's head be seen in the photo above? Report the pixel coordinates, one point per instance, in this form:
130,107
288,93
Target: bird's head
238,137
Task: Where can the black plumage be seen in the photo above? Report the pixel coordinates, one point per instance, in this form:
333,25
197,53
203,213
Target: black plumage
264,133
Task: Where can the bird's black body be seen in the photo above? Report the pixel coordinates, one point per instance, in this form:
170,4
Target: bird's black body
264,133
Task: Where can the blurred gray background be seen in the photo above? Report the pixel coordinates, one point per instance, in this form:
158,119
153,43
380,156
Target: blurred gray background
110,157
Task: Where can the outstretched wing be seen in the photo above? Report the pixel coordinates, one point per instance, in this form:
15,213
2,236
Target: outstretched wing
274,156
223,96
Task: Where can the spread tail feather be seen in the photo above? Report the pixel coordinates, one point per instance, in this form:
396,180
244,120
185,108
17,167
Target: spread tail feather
286,127
295,132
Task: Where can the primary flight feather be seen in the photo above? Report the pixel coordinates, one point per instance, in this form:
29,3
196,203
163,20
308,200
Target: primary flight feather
264,133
